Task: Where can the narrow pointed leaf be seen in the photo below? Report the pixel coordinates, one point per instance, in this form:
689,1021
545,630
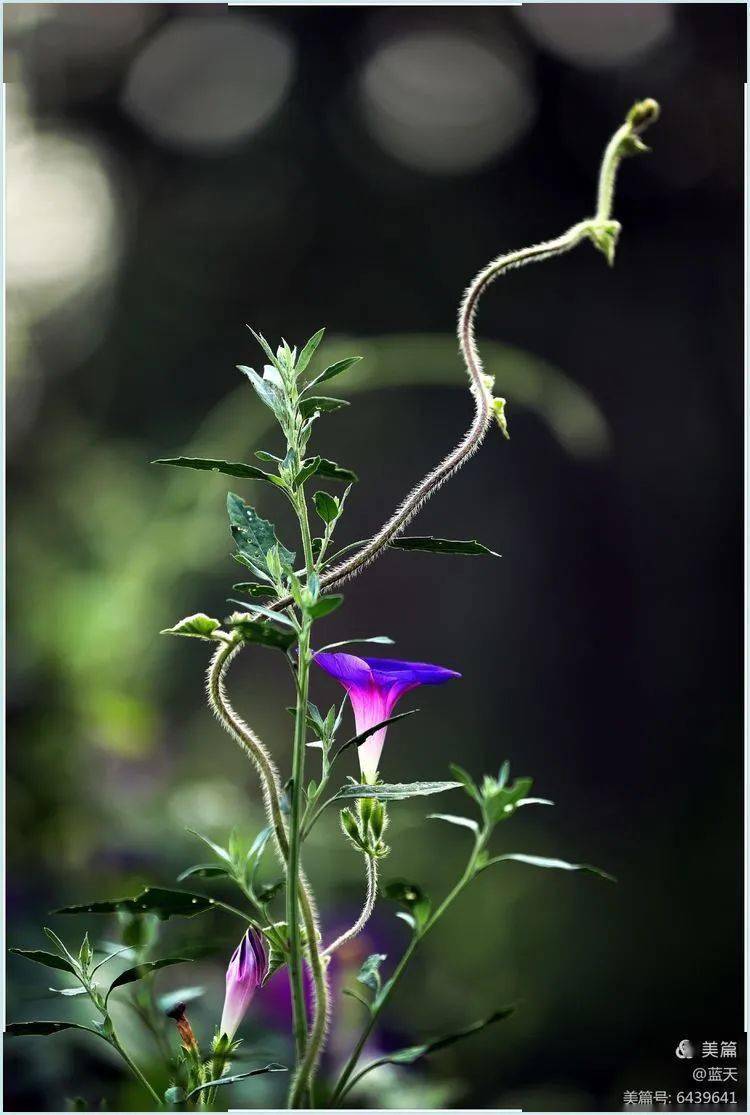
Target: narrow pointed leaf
395,791
265,346
69,992
451,818
161,901
267,391
49,959
320,404
251,588
203,871
43,1029
224,1080
416,1052
384,640
131,975
358,740
441,545
217,849
277,617
334,370
324,606
308,352
557,864
227,468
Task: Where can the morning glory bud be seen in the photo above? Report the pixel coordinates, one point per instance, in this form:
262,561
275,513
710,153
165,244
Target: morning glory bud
246,972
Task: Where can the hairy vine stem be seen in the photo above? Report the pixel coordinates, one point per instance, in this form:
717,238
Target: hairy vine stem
255,750
371,895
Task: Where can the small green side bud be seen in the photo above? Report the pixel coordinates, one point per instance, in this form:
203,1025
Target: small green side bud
377,819
604,236
498,406
365,811
350,826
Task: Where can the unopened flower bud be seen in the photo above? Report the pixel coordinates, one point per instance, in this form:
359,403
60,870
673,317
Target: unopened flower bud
377,819
643,114
365,811
184,1029
350,826
246,971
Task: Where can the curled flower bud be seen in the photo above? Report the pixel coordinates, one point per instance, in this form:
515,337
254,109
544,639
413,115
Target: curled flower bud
246,971
184,1029
643,114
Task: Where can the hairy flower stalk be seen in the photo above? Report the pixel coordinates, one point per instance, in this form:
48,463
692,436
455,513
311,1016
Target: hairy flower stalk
371,895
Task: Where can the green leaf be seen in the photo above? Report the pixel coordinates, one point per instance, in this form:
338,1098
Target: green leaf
253,631
308,352
331,471
441,546
501,803
358,740
228,468
161,901
415,1052
174,1095
355,995
131,975
309,468
43,1029
267,392
253,589
385,640
204,871
217,849
326,506
369,973
69,992
47,958
265,346
254,536
395,791
451,818
260,609
324,606
224,1080
334,370
412,898
466,781
543,861
199,626
320,404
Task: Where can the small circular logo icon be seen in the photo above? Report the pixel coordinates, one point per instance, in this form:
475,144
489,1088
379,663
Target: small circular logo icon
684,1050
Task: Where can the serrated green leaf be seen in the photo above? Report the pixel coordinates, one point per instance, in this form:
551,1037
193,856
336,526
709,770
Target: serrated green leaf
224,1080
308,352
556,864
43,1029
227,468
48,959
441,545
254,536
161,901
253,631
395,791
334,370
199,626
326,506
320,404
131,975
324,606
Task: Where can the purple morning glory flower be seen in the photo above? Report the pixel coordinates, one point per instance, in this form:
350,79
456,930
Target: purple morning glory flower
374,686
246,972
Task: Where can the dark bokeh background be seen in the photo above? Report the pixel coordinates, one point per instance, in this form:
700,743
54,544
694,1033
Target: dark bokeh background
174,172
